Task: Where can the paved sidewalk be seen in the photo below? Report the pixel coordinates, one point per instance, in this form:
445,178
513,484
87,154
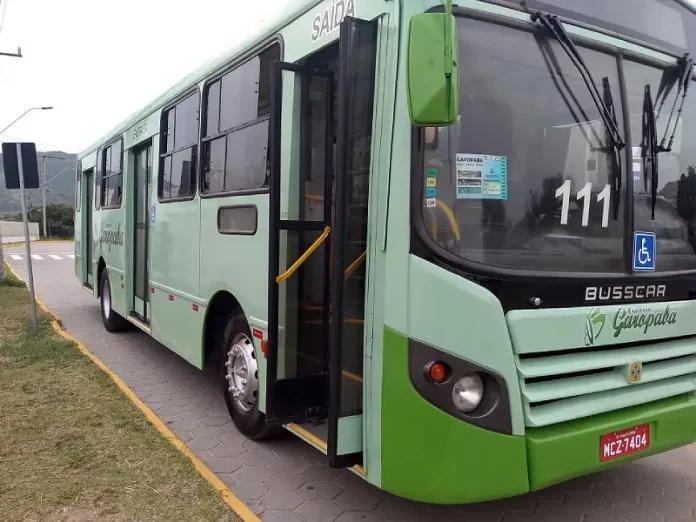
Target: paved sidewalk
287,480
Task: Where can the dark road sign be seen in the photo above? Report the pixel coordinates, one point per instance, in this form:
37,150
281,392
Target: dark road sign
30,166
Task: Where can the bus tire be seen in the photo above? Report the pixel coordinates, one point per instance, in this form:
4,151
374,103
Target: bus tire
240,379
112,321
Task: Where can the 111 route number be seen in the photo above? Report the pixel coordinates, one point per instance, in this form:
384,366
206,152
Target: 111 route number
584,194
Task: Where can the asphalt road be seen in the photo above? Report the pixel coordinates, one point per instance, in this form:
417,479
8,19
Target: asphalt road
287,480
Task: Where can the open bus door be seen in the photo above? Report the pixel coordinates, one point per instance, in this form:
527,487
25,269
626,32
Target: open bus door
297,376
356,91
319,239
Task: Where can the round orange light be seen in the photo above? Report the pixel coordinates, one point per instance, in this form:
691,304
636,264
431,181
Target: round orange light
437,372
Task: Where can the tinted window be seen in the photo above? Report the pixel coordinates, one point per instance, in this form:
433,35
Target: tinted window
183,173
662,22
213,114
522,180
674,223
186,122
169,130
214,165
78,187
178,169
240,95
247,151
238,105
112,176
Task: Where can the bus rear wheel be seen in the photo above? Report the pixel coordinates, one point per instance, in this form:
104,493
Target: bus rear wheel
240,379
112,321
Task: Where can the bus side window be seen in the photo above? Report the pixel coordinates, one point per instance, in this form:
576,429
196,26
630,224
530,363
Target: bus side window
177,178
237,111
112,175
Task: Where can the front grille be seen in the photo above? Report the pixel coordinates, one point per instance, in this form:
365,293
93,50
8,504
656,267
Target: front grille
558,387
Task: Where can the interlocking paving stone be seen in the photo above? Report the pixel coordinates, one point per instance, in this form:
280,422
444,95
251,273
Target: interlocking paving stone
325,490
319,510
286,480
282,500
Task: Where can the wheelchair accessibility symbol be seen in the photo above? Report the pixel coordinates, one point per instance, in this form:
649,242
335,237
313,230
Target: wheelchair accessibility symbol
644,252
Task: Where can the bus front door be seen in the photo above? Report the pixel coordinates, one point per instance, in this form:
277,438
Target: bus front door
299,257
356,92
319,193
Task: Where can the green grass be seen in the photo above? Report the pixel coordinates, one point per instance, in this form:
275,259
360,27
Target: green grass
72,446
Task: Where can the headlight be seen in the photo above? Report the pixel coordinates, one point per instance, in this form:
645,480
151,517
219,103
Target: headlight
467,393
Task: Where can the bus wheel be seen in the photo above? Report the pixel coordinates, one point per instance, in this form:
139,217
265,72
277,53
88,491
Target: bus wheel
240,379
112,321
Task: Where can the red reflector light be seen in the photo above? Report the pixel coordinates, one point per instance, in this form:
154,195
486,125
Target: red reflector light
257,333
264,348
437,372
194,306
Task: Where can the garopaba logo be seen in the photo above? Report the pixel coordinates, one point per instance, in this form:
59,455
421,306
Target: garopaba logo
642,319
594,324
111,237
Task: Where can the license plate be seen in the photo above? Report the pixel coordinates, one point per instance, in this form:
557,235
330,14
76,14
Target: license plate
622,443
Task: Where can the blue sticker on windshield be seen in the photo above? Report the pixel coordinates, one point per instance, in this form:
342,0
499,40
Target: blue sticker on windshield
644,252
481,176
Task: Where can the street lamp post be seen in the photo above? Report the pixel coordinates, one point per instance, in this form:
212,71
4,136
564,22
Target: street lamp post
43,189
24,114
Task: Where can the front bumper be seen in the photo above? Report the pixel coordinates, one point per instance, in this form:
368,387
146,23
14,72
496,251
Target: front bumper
560,452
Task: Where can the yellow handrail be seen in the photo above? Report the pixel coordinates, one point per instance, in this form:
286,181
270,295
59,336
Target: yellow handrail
288,273
450,217
355,264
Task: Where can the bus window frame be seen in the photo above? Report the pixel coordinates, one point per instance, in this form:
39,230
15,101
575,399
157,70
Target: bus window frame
163,141
229,67
102,174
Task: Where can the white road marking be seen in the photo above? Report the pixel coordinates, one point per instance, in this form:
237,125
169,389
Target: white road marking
71,256
37,257
53,256
16,257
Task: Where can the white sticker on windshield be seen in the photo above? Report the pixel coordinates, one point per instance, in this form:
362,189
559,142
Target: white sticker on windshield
481,176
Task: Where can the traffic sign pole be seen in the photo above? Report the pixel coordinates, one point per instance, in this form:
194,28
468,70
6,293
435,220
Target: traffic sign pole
34,319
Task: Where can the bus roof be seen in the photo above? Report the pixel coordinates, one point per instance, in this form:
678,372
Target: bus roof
291,10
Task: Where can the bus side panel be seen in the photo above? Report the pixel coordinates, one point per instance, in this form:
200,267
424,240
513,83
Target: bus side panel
238,263
174,244
78,242
113,250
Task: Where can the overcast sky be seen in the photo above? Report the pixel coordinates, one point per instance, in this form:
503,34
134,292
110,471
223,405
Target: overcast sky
97,61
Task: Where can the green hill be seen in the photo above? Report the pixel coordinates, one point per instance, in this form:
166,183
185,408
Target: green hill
59,190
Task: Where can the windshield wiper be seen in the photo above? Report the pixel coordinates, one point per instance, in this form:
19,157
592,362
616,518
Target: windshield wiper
685,66
616,155
649,148
554,26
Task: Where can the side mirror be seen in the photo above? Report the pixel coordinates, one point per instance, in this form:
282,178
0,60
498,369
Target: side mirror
433,78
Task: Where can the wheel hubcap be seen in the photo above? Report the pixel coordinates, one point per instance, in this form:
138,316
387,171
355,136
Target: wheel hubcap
242,374
106,299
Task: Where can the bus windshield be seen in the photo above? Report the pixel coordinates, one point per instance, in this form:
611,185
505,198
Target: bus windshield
523,180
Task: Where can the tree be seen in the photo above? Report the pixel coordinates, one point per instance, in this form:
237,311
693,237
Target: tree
60,219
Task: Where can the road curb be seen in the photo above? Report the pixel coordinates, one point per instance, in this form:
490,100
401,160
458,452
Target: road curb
229,498
20,243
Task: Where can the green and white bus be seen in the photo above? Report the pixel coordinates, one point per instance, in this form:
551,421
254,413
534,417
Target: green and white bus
451,246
